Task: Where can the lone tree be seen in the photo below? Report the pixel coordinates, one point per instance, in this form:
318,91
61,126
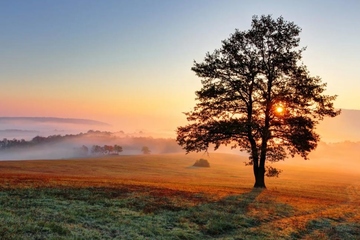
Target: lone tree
257,96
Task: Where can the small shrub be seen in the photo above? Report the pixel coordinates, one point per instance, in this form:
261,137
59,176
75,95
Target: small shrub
272,172
145,150
201,163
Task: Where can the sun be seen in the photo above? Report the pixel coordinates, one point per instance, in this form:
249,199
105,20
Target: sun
279,109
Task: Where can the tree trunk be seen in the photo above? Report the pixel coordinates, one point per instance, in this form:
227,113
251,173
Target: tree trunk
259,173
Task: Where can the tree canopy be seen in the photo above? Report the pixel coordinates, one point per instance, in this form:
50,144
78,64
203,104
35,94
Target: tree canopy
258,96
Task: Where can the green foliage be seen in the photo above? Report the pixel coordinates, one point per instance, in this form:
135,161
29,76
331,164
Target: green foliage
202,163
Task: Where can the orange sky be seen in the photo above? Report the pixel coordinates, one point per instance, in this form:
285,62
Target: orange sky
128,64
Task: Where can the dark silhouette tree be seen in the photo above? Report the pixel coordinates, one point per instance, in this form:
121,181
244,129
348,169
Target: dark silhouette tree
257,96
96,149
118,149
108,149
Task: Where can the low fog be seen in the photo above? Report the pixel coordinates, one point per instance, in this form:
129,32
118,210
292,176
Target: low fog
339,143
75,133
72,146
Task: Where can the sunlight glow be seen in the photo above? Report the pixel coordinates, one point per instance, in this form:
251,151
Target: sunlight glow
279,109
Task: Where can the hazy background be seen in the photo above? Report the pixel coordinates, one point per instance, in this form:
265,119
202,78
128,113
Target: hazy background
345,127
339,143
124,66
127,63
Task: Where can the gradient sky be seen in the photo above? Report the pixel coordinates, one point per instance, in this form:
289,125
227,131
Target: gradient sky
128,62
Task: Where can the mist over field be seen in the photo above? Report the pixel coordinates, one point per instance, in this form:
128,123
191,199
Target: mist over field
340,139
57,138
345,127
69,148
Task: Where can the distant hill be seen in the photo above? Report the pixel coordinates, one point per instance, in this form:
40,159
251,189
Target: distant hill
17,131
52,120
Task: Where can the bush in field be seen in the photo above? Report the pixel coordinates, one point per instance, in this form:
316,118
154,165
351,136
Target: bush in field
201,163
145,150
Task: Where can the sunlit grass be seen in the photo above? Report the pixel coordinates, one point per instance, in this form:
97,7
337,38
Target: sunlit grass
163,197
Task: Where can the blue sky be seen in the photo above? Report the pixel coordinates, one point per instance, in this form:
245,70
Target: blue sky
128,62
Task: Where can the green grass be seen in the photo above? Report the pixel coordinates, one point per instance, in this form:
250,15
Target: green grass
111,213
325,228
163,197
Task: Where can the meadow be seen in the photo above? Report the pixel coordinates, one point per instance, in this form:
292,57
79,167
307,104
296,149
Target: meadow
165,197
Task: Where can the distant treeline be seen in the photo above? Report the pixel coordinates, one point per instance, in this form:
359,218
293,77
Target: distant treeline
83,151
38,140
90,143
106,149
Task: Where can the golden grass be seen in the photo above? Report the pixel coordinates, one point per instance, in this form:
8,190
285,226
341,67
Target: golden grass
311,191
173,171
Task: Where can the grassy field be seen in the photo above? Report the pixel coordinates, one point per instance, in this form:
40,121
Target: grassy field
164,197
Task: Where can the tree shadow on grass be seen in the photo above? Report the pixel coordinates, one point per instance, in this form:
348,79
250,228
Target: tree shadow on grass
332,228
224,216
144,212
